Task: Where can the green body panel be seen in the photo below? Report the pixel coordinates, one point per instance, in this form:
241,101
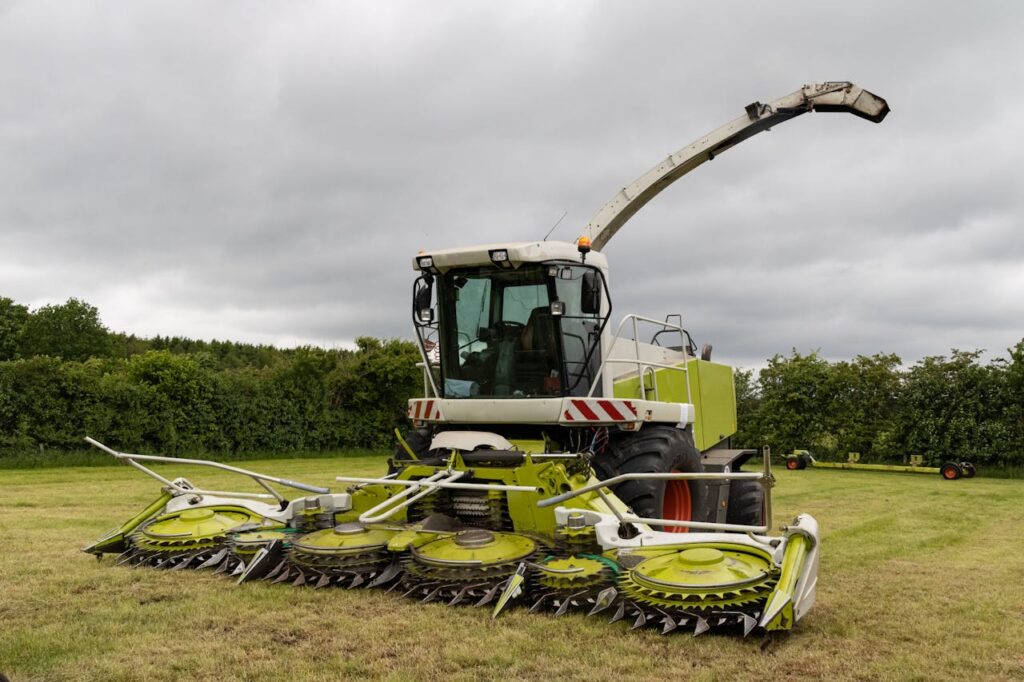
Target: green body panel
407,539
712,393
365,498
531,446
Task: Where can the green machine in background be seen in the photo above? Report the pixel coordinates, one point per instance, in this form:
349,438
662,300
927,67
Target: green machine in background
950,471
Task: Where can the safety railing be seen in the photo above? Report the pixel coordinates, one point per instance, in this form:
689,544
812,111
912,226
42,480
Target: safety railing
421,487
176,488
643,367
429,387
764,477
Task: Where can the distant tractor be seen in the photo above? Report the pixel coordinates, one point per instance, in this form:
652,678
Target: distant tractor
951,471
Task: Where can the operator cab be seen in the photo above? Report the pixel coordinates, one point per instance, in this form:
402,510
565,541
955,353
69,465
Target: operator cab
506,328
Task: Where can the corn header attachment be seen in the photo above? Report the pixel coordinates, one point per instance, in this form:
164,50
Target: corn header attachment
496,528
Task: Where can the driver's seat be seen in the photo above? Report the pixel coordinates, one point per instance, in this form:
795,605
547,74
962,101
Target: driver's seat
539,333
537,354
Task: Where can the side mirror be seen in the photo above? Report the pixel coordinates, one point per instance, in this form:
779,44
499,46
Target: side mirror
590,298
422,298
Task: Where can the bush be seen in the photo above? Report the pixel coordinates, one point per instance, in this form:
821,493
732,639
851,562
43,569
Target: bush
944,408
64,376
175,404
71,330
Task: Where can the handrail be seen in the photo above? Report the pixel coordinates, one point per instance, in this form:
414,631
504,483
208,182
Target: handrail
654,382
175,488
415,483
641,365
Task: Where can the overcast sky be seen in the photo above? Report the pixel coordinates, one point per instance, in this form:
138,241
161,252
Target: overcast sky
266,171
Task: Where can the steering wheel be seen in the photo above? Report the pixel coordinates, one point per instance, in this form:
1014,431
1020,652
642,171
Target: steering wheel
505,329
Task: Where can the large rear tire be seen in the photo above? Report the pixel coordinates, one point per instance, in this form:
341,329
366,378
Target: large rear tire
662,450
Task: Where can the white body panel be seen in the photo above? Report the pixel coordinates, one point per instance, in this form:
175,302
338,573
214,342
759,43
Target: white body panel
518,253
336,501
467,441
566,411
625,350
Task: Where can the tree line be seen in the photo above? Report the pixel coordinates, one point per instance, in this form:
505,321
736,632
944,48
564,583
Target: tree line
942,407
63,375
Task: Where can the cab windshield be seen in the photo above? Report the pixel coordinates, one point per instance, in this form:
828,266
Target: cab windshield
517,332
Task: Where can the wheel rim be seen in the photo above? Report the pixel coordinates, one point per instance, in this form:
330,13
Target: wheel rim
677,504
791,464
949,473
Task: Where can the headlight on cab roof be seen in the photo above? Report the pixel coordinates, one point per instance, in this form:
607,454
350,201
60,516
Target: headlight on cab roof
500,257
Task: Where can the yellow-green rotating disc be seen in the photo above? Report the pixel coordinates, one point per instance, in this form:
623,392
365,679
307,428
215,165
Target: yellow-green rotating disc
701,577
248,543
349,538
571,573
191,529
475,547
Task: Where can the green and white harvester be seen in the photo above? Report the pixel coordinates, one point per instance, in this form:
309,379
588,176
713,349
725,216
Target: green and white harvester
553,463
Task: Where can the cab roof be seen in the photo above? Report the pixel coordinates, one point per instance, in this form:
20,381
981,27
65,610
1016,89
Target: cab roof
518,254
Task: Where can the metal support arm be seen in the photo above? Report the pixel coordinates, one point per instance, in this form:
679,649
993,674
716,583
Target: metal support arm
831,96
172,487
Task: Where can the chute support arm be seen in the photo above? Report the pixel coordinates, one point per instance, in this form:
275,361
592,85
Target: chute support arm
831,96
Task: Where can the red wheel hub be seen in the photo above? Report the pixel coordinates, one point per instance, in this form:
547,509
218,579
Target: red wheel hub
677,505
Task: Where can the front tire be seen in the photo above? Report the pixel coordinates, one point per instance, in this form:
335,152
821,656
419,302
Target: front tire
418,441
662,450
746,503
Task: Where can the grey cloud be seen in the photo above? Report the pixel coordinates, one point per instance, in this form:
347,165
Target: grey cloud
267,171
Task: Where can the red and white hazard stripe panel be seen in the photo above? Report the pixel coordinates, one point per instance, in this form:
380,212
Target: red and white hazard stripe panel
595,410
428,409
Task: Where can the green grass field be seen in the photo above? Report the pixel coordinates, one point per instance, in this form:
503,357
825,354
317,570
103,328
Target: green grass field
920,579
